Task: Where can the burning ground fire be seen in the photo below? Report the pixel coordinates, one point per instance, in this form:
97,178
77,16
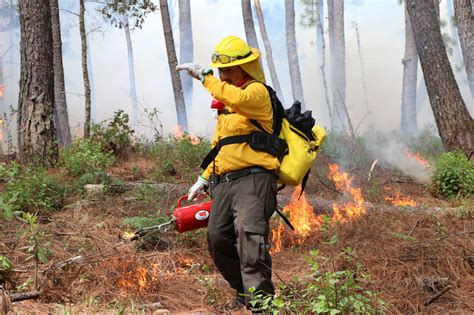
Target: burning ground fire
305,220
179,134
399,200
141,278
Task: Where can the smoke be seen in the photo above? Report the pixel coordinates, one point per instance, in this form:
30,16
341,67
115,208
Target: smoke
394,152
382,39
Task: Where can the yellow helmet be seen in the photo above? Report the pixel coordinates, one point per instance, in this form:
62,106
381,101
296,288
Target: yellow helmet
233,51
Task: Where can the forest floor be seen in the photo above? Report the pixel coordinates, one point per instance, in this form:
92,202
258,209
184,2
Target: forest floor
410,252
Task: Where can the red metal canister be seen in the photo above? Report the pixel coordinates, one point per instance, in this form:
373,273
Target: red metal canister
191,217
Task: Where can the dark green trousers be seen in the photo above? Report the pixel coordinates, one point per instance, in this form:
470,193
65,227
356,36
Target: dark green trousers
238,231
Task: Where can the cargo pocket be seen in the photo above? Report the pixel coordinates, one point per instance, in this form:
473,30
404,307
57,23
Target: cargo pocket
255,248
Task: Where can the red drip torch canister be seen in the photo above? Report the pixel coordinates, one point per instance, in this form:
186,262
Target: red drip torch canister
191,217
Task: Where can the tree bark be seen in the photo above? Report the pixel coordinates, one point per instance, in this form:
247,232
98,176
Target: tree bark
36,132
186,47
295,75
131,72
249,25
172,62
61,117
321,54
268,50
408,122
452,117
338,63
465,21
457,56
2,102
85,72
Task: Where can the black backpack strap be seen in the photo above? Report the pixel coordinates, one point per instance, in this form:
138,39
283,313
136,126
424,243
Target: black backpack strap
225,141
303,182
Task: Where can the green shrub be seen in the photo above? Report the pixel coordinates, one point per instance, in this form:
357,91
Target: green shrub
453,175
34,190
330,292
178,158
114,135
9,171
84,156
350,152
426,142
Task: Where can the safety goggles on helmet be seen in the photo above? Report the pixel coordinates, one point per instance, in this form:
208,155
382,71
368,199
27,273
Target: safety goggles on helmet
223,59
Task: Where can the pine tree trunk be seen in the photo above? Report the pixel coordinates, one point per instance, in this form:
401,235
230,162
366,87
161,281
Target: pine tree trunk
408,122
186,47
36,132
321,55
268,51
61,117
172,62
90,76
249,25
295,75
85,72
454,122
2,102
338,63
131,72
465,21
457,57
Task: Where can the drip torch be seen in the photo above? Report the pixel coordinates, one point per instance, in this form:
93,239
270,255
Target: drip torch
184,219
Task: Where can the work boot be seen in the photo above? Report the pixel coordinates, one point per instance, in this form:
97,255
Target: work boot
237,302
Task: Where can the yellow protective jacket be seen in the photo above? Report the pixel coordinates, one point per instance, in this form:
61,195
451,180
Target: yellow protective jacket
250,101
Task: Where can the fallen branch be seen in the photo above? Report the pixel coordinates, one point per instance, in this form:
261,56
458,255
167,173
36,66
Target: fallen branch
327,186
437,295
16,297
414,227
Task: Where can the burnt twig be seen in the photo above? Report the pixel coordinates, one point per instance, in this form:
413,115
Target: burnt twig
327,186
437,295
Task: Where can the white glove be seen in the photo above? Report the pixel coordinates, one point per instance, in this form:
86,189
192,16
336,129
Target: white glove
194,70
200,184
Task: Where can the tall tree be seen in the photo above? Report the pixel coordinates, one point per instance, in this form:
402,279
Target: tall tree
61,117
338,63
268,50
454,122
36,132
85,72
464,11
172,62
10,23
186,47
408,122
249,25
2,103
454,34
292,51
129,15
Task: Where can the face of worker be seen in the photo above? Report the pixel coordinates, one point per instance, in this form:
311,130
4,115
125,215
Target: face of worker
231,75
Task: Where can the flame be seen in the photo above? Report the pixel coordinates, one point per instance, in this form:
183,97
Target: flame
2,89
417,157
133,279
194,139
128,235
178,133
400,200
302,215
353,208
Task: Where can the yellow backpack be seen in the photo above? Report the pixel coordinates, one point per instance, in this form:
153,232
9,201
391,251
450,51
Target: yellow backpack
302,151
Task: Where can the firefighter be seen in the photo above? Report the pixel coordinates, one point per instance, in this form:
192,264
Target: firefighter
245,196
